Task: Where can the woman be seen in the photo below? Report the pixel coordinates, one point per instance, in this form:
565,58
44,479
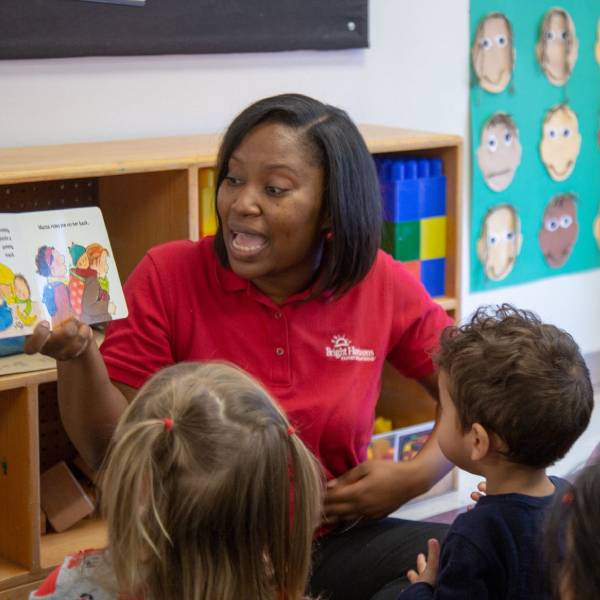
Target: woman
294,290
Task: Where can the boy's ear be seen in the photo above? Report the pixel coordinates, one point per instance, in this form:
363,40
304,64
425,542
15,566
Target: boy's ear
480,442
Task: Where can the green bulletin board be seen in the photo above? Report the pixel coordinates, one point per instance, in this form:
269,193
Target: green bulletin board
526,98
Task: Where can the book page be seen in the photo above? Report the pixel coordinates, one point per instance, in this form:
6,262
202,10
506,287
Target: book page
20,304
70,267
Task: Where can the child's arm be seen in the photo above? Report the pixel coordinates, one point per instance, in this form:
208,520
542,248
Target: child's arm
461,573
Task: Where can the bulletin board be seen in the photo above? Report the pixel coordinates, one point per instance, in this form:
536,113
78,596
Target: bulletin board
63,28
524,195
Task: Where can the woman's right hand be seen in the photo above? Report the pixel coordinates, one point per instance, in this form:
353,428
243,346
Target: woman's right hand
67,341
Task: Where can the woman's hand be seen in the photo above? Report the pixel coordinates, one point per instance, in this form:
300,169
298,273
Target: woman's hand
427,568
371,490
67,341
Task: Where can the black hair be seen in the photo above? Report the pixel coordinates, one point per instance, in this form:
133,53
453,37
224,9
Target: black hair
43,266
572,537
351,193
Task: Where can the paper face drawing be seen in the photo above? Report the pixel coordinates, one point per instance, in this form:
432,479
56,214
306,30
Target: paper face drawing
597,229
492,53
561,142
559,229
499,152
598,42
557,46
500,241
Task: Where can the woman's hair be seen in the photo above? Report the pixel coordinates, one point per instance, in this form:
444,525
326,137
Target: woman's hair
208,492
572,537
351,194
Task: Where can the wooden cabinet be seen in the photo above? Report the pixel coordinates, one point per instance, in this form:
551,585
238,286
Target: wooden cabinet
148,191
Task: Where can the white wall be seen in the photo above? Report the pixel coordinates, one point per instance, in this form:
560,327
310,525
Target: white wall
415,75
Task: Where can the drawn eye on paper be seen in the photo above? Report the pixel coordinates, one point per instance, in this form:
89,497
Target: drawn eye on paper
500,241
557,46
559,229
499,151
493,53
561,142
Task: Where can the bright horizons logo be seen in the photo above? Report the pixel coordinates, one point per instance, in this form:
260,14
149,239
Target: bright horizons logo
342,349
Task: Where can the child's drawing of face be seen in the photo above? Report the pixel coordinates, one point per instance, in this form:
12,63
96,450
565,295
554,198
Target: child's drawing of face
500,242
499,152
598,42
492,53
559,230
561,142
597,229
557,47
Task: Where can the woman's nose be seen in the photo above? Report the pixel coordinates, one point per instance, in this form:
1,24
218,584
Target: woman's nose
246,201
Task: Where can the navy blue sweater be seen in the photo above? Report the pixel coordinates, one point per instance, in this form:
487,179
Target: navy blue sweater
492,551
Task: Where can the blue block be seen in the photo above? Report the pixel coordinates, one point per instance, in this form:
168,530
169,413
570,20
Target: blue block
432,188
433,276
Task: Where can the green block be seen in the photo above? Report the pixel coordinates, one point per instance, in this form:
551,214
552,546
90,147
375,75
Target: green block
402,240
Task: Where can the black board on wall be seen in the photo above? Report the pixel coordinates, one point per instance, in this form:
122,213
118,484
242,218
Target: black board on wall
61,28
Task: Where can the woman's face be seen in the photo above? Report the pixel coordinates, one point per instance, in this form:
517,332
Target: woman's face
271,209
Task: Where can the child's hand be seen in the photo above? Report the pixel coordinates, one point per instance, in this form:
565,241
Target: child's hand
476,496
427,567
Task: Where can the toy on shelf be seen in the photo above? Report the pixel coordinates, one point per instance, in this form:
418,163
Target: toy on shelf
208,214
414,212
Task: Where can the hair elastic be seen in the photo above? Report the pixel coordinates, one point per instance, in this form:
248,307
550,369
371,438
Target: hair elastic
291,430
168,424
568,498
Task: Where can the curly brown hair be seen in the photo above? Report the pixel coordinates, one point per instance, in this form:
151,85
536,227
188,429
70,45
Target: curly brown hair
524,380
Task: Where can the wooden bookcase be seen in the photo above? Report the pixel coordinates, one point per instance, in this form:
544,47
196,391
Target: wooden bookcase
148,191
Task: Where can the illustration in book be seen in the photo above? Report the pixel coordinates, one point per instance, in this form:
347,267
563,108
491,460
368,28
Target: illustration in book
55,265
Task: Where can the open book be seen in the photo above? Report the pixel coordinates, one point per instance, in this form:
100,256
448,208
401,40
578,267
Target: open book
53,265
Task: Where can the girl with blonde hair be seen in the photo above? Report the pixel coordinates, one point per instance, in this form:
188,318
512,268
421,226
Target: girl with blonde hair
208,494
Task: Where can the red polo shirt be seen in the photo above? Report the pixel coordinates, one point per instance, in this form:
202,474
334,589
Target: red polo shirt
321,359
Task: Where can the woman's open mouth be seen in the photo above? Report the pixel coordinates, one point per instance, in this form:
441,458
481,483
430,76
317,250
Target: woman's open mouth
246,244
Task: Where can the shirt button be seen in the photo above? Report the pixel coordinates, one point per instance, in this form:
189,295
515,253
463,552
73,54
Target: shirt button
279,351
277,315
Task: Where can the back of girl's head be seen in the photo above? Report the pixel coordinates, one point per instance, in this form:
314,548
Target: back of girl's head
351,196
207,493
572,539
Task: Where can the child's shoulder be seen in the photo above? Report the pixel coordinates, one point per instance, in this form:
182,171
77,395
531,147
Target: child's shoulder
86,574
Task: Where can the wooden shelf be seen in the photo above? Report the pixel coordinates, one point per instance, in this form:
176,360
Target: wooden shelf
89,533
9,570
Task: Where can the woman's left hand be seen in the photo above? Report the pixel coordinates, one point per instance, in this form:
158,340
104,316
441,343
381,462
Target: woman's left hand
371,490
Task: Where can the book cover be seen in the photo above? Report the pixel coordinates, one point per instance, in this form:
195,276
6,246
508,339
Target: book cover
55,265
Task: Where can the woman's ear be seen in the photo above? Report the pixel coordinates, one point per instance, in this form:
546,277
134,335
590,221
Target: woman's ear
480,442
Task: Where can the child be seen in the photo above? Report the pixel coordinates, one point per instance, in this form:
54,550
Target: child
574,528
208,493
515,394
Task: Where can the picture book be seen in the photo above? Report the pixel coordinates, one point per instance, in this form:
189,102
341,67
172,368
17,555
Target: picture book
54,265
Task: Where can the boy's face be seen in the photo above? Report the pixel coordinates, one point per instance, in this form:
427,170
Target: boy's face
453,442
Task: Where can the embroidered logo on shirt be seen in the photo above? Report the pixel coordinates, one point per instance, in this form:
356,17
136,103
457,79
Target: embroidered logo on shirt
342,349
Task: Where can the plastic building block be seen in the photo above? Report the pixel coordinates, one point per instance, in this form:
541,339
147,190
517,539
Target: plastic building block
433,238
432,188
433,276
402,240
208,214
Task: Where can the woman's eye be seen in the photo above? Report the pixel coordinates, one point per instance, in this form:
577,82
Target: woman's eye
485,43
551,224
501,40
273,190
566,221
492,143
231,180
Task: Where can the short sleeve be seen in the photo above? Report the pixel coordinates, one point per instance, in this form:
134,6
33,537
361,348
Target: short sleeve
140,345
417,324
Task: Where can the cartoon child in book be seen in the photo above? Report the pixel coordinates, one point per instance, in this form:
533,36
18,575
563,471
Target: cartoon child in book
557,47
25,307
500,241
6,295
559,229
50,263
561,142
492,54
90,283
499,152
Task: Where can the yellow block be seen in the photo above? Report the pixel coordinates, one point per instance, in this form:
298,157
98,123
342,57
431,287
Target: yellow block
433,238
208,215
